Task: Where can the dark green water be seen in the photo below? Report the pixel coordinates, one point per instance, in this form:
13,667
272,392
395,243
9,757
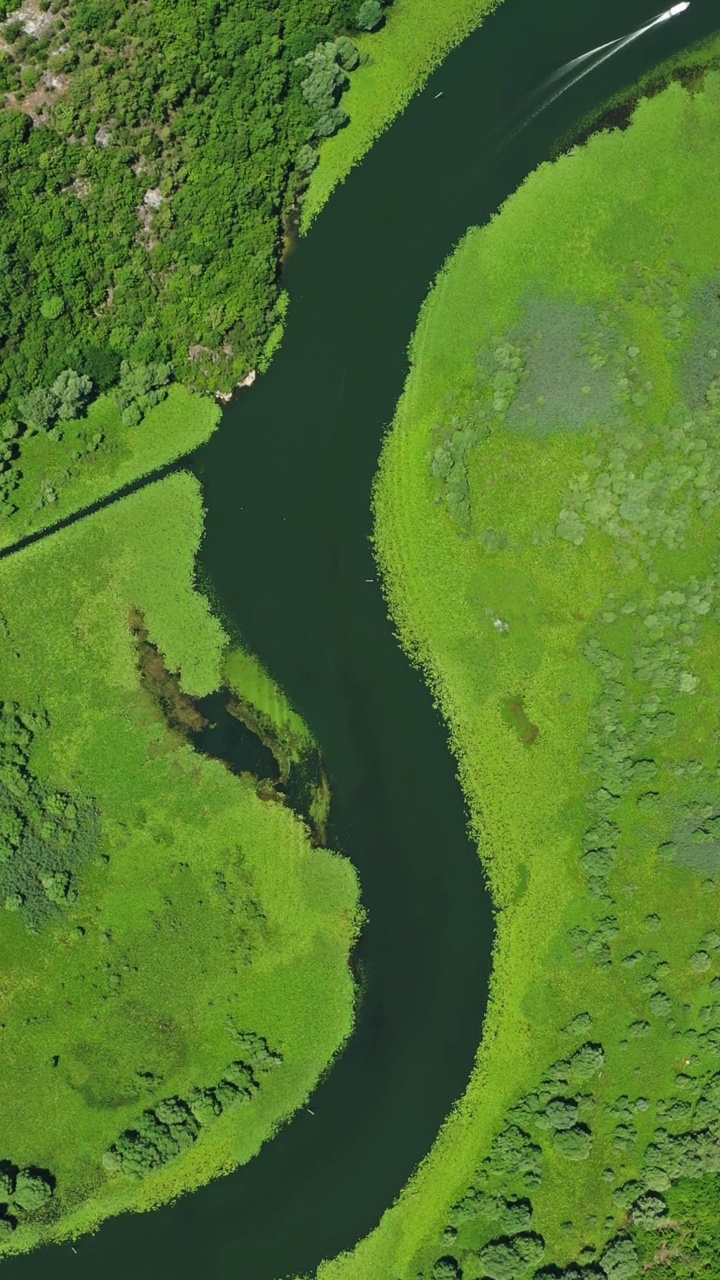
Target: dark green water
287,483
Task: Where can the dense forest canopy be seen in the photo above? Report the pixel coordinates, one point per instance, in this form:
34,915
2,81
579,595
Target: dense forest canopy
148,154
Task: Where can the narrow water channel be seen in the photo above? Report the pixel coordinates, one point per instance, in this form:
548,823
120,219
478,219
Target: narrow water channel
287,483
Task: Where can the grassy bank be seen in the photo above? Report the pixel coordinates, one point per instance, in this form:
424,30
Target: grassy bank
547,523
415,39
90,458
168,936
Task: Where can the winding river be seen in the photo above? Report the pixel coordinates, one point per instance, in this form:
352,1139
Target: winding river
287,482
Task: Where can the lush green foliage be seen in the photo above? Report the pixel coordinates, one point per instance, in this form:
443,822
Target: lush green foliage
163,1132
141,219
22,1193
54,474
46,837
147,158
201,905
547,523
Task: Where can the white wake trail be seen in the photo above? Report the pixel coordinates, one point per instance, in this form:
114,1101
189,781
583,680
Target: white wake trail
612,46
575,62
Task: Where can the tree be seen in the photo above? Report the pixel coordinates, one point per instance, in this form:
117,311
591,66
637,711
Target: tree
648,1210
52,308
37,408
500,1261
33,1188
447,1268
586,1060
573,1143
620,1259
330,122
205,1106
306,159
515,1215
348,54
529,1247
467,1209
141,386
102,365
369,15
71,391
562,1113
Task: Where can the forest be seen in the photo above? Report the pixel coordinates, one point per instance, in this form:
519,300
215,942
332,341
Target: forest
151,158
547,521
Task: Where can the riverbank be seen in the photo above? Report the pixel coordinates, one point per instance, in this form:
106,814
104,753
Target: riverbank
149,894
548,550
414,41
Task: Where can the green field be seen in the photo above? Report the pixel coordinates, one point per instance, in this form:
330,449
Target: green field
173,952
400,57
547,525
87,459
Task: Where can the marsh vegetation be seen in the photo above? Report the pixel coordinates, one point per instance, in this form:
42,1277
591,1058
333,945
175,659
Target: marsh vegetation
547,520
147,892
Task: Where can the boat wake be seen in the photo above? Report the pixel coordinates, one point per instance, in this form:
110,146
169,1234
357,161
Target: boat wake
589,62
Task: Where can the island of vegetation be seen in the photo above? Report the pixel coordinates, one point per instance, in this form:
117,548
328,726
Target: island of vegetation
169,930
548,510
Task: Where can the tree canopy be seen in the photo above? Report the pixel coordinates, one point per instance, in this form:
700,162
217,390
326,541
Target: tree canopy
149,159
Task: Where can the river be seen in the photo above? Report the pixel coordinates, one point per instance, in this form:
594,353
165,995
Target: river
287,482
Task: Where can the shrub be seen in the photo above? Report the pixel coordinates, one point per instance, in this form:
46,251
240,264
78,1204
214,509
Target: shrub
33,1188
581,1023
619,1260
562,1113
141,386
515,1215
649,1209
624,1137
46,836
447,1268
574,1143
660,1004
586,1060
368,16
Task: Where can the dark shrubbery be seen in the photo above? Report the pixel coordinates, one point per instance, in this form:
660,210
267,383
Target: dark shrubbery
22,1193
46,836
449,466
174,1124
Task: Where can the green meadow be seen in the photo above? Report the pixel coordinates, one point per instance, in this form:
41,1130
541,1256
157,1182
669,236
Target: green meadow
396,61
173,950
87,459
547,518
